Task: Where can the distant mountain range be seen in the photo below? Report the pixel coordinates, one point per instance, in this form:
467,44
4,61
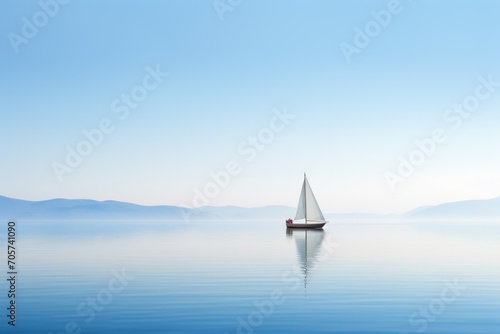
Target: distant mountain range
488,209
72,209
83,209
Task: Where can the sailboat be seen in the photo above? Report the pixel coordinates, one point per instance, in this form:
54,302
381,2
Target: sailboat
308,210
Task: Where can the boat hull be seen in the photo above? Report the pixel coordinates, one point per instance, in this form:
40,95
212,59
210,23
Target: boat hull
309,226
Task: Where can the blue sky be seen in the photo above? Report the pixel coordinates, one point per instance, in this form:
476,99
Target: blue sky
353,120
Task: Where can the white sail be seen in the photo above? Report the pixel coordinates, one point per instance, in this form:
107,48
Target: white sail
308,207
301,208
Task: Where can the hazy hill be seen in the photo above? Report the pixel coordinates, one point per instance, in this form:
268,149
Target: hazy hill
69,209
464,210
66,209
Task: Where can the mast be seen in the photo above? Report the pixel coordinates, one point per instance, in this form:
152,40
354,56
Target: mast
305,199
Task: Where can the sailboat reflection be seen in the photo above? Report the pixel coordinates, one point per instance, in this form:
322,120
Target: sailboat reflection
308,243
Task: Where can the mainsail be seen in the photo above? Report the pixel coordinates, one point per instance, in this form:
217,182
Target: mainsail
308,207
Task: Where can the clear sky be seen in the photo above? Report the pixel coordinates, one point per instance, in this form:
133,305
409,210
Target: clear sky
66,71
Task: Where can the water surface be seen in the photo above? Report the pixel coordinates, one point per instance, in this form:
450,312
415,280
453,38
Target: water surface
244,277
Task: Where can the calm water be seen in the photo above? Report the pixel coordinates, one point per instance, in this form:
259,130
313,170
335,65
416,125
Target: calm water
256,278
